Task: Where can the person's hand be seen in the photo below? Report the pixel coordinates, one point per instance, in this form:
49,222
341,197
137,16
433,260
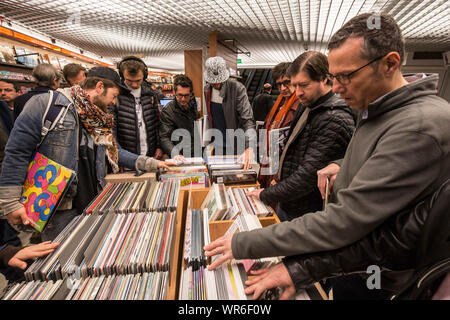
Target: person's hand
220,246
38,250
254,193
165,165
329,172
158,154
247,158
276,276
273,182
179,158
19,217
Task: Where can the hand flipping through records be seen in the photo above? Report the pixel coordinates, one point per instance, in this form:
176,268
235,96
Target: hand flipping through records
220,246
273,277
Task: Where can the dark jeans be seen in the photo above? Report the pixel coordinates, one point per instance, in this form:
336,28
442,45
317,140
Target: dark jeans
57,223
282,214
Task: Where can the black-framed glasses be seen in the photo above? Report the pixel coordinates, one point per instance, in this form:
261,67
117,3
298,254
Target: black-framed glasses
344,79
181,96
284,83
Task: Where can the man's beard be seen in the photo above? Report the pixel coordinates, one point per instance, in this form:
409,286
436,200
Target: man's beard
99,103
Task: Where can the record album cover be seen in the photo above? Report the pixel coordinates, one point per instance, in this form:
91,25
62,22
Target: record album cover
45,185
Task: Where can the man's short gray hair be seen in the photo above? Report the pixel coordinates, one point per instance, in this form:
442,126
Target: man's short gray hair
45,74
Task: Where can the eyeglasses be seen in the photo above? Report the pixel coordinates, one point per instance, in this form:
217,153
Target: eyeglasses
284,83
344,79
181,96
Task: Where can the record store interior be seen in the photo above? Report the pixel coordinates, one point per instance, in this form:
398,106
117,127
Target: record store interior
224,150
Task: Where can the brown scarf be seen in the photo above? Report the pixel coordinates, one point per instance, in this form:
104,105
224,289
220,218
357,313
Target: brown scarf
98,124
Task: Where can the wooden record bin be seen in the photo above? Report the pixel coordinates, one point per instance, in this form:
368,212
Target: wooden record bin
218,228
178,245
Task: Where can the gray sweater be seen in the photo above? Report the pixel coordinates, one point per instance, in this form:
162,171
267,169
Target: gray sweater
398,155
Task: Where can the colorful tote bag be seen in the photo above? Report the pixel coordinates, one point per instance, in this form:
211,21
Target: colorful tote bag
45,186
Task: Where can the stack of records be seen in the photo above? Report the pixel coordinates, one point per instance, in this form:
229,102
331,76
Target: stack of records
192,173
248,222
146,286
246,204
227,204
94,245
226,282
162,196
125,236
187,161
196,237
217,202
228,170
136,196
222,159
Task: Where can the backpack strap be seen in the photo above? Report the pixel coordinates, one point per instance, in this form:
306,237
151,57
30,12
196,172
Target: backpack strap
52,116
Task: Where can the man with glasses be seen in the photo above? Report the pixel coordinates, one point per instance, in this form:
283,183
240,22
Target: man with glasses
320,132
180,113
398,156
281,114
283,110
136,113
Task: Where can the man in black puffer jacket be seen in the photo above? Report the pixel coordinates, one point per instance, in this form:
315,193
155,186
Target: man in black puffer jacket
136,113
320,132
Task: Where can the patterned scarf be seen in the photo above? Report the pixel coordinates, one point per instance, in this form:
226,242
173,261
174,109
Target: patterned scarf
98,124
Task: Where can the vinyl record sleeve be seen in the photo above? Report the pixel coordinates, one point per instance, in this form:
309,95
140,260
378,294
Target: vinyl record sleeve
45,185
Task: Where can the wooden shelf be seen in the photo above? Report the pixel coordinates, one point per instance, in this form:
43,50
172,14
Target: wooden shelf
176,259
16,65
16,80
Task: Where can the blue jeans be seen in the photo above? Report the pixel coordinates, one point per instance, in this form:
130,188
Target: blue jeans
282,214
57,223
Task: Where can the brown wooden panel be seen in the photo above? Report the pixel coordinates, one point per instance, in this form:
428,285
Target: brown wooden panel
193,68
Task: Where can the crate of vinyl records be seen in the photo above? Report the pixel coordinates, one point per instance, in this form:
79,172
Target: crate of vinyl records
228,281
191,172
229,170
124,246
225,204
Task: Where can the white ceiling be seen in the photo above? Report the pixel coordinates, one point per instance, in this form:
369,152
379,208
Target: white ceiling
272,31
